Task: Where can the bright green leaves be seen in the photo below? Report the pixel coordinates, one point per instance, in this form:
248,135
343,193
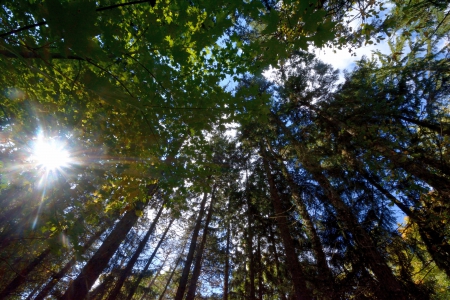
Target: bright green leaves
74,22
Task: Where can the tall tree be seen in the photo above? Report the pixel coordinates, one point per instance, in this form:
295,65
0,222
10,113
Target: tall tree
127,270
298,276
150,260
192,247
199,253
80,287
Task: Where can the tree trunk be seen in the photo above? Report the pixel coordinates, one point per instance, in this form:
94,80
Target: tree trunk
100,289
126,272
227,264
22,276
390,286
251,257
56,277
260,275
434,239
154,277
293,265
30,295
80,287
326,277
187,266
147,265
199,255
277,260
170,277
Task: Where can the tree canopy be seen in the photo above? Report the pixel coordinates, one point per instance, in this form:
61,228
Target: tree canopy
143,155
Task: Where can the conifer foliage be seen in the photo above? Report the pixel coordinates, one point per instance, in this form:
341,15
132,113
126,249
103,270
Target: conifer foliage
144,156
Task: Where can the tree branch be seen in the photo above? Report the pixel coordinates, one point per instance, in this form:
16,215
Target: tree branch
32,54
152,4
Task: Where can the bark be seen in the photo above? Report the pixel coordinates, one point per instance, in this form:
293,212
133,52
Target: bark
126,272
42,23
56,277
170,277
199,255
80,287
390,286
98,292
22,276
260,275
251,257
433,237
187,266
147,265
325,274
277,260
442,129
293,265
227,265
144,295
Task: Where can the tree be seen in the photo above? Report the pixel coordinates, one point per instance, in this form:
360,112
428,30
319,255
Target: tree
80,287
126,272
302,197
192,247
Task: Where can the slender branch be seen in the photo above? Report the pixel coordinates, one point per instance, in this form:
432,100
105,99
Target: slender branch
152,4
112,75
23,28
32,54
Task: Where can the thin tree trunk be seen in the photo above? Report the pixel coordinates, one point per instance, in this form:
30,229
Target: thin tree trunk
293,265
22,276
126,272
147,265
115,267
277,260
199,255
152,282
260,277
251,257
35,290
170,277
187,266
227,264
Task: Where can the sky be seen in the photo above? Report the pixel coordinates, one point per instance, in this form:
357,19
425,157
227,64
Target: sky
344,60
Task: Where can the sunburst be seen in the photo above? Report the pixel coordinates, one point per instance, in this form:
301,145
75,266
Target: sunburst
50,155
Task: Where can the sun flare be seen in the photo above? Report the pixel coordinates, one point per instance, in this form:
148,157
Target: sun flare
50,155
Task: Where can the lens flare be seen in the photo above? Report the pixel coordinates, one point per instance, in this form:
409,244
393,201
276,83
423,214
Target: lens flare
50,155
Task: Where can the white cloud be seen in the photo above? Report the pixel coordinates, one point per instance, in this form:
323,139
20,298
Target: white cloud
344,59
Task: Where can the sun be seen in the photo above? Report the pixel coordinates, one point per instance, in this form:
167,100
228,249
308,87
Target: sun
50,155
